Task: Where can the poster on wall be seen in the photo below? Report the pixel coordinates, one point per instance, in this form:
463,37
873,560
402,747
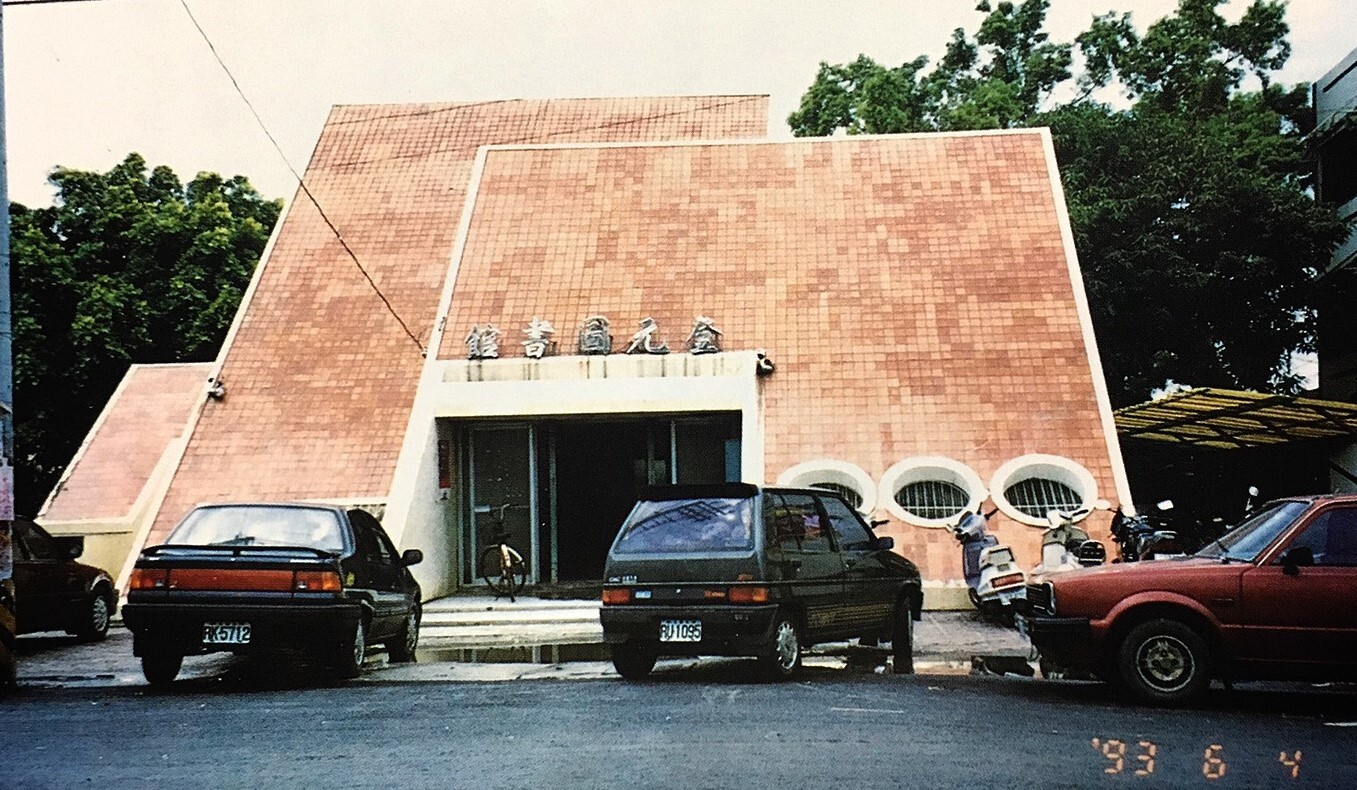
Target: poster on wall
6,492
6,516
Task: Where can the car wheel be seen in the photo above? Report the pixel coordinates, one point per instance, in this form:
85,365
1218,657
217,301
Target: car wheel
634,660
1164,661
782,658
93,623
402,648
351,653
161,667
902,640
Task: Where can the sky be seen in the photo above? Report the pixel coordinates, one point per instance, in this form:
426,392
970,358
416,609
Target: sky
88,82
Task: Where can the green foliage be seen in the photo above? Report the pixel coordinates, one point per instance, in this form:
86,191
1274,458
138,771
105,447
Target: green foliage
999,79
1195,228
125,267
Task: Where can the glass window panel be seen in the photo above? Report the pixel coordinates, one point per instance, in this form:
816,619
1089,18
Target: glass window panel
853,535
1037,495
932,499
795,523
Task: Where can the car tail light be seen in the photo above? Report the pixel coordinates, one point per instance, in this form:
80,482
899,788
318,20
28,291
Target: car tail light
750,594
1007,581
315,581
148,579
616,595
714,594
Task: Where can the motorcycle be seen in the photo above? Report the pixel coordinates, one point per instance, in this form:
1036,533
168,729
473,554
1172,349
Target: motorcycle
1141,537
1065,545
994,581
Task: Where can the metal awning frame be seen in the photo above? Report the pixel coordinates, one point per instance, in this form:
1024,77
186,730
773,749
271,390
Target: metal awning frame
1236,419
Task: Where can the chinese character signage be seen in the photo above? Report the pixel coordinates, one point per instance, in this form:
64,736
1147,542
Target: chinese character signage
483,343
647,339
538,343
594,338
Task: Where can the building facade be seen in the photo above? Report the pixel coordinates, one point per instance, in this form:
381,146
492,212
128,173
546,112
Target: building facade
572,299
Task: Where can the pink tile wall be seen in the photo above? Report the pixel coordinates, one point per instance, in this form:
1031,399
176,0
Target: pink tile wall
152,410
913,291
321,378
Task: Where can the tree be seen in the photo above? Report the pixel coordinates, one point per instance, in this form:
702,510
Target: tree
125,267
1198,236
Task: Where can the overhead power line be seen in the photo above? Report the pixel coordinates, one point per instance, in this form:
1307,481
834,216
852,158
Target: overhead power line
301,182
48,2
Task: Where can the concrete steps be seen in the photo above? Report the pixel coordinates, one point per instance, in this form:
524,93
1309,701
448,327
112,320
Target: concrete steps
487,621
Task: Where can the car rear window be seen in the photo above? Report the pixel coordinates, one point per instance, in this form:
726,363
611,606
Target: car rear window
688,525
260,525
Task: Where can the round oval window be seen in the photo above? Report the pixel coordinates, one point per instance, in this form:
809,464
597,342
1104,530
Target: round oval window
1035,496
933,499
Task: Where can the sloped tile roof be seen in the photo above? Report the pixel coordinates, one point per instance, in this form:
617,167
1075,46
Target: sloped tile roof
914,291
320,377
150,409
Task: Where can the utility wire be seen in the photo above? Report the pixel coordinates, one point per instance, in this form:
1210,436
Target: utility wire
47,2
300,181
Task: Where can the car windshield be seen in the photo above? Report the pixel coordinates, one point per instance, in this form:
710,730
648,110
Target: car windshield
1247,541
688,525
260,525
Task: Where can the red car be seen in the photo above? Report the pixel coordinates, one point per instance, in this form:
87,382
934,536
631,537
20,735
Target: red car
1275,598
52,591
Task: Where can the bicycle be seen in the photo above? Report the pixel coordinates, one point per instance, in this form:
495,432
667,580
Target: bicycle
502,567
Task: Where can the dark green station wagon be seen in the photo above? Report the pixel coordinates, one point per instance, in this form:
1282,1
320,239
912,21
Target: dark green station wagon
739,570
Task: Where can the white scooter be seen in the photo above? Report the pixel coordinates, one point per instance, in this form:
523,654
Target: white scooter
1066,546
993,579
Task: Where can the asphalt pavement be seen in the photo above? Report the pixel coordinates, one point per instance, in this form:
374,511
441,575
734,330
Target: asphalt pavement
712,725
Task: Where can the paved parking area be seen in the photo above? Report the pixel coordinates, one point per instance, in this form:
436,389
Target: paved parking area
516,647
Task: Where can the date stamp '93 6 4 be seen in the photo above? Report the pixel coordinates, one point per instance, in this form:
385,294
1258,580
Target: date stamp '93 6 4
1143,758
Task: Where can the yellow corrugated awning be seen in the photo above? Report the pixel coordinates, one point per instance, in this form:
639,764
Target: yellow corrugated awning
1233,419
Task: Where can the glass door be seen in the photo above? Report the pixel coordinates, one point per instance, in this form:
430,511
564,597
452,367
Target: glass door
502,494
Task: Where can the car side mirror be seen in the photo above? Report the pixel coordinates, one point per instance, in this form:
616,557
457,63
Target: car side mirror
1297,557
885,543
412,557
69,547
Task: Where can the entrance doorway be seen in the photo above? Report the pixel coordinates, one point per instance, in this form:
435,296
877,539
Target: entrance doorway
560,488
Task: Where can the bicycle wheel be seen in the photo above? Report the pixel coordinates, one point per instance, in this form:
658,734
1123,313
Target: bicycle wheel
505,578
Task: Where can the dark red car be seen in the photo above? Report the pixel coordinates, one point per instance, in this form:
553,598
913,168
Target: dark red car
52,591
1275,598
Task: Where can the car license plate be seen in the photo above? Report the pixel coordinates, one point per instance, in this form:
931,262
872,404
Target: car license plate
1012,595
680,630
226,633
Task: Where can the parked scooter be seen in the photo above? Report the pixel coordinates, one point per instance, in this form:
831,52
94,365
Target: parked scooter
1141,537
1250,501
1065,545
994,581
